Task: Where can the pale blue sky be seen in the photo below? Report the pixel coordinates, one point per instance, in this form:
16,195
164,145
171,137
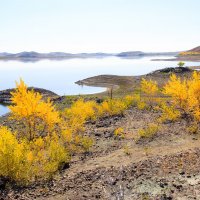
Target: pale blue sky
99,25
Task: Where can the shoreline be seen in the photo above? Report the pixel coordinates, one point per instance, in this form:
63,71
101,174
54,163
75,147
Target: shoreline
181,58
116,83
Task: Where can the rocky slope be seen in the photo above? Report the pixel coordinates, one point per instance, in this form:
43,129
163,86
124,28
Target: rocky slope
164,167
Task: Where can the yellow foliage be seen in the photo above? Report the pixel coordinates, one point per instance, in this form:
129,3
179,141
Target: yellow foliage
26,161
189,53
29,109
81,111
193,101
149,131
193,129
86,143
130,100
113,107
168,113
119,132
14,164
177,89
150,89
141,105
48,138
185,94
48,154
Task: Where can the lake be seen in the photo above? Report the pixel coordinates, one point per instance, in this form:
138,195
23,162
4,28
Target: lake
59,76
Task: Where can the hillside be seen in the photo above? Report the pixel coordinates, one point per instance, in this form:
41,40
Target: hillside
196,49
163,164
190,55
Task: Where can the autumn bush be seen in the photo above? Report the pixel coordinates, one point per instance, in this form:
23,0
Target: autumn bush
119,132
24,161
82,111
43,144
37,116
112,107
13,156
185,95
149,90
76,116
169,113
149,131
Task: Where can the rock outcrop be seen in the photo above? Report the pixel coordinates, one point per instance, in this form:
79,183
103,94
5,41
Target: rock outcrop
5,95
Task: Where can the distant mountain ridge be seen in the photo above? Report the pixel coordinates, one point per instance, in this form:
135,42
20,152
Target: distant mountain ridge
140,53
32,55
196,49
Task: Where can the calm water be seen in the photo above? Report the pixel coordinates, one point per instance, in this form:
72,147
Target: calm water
59,76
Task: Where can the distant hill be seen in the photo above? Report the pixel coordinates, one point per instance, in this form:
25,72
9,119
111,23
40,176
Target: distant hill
140,53
35,56
196,49
51,55
192,52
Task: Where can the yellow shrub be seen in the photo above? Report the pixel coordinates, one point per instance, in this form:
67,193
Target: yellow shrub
119,132
79,113
26,161
104,108
36,115
177,89
113,107
193,128
49,140
168,113
148,132
85,110
193,100
129,100
141,105
47,155
185,94
149,87
86,143
150,90
13,159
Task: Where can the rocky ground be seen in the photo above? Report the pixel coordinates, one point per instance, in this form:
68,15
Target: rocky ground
166,166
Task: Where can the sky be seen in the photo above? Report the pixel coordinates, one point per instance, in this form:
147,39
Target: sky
99,25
